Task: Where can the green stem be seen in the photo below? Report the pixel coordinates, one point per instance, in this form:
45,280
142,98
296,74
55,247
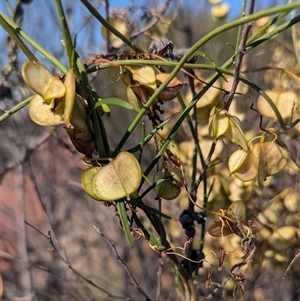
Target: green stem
12,32
32,42
15,109
213,79
265,27
98,126
180,64
295,39
65,32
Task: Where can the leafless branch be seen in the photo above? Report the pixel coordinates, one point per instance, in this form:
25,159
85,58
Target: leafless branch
68,264
124,265
239,58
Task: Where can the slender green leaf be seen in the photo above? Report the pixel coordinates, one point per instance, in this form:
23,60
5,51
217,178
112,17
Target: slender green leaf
113,101
125,223
65,31
148,137
147,234
34,44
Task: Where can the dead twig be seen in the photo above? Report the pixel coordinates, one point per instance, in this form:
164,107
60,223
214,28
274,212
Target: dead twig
124,265
68,264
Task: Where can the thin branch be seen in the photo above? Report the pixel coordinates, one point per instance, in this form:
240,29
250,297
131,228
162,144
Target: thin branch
240,56
159,274
108,44
291,263
249,249
68,264
124,265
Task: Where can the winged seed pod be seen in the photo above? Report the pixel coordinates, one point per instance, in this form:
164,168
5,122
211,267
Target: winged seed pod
141,83
219,124
224,124
55,102
43,82
87,181
273,156
143,75
243,164
120,178
235,134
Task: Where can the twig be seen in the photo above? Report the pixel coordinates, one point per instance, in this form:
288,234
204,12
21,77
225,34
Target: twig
239,59
249,249
191,208
291,263
159,273
124,265
68,264
204,168
108,44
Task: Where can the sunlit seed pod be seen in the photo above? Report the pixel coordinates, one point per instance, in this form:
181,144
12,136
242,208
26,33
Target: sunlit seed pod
172,89
143,75
243,164
272,155
53,104
219,124
235,134
41,113
42,81
87,181
120,178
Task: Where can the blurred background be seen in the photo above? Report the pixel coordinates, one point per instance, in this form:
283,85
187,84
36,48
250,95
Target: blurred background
40,171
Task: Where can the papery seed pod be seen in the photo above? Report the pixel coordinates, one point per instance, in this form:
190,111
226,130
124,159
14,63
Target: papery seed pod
87,181
143,76
120,178
276,154
219,124
235,134
243,164
272,158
